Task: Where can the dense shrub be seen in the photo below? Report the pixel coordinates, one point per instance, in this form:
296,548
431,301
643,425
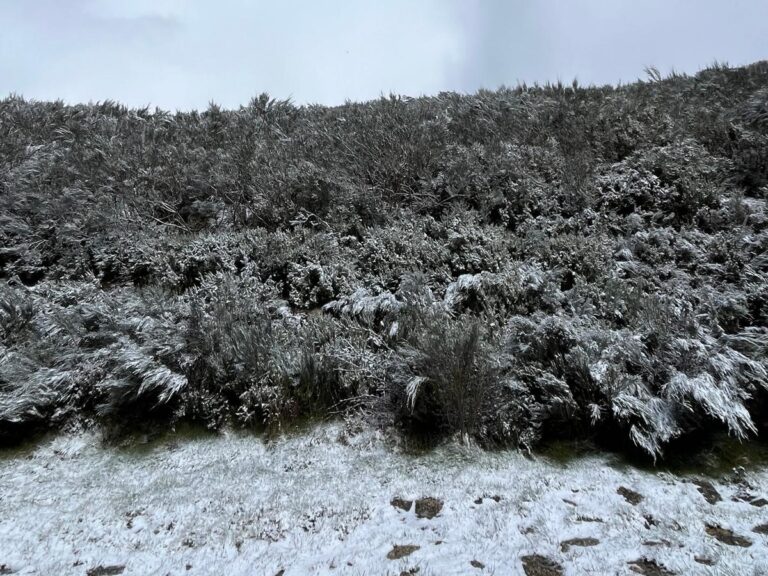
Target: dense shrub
507,266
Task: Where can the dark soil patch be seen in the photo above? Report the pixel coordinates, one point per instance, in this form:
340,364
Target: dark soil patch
566,545
402,504
536,565
649,568
428,507
630,496
707,490
398,552
727,536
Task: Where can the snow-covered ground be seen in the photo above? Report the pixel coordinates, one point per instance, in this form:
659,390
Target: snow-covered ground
320,503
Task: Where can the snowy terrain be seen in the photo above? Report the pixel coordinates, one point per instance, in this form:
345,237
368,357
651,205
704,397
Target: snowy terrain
321,503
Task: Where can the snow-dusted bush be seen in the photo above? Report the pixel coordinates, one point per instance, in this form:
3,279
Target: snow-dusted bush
446,378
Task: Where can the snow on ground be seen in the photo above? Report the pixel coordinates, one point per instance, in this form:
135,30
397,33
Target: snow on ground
319,503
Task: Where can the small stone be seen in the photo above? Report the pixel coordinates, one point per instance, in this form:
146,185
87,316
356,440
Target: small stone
707,490
479,501
477,564
398,551
630,496
704,560
566,545
428,507
727,536
537,565
649,568
401,503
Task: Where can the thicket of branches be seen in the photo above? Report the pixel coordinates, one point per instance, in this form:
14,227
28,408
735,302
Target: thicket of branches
509,266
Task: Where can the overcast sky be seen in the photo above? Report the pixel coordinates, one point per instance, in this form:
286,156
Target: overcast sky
186,53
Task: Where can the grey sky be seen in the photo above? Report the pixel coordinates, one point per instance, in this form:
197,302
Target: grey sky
185,53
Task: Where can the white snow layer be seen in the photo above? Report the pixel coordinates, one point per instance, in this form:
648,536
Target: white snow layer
319,503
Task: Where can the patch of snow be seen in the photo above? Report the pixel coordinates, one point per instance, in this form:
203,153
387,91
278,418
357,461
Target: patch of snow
312,504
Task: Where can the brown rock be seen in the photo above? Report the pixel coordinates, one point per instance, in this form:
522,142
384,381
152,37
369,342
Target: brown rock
402,504
662,542
428,507
398,552
536,565
588,519
707,490
761,529
630,496
727,536
105,570
566,545
649,568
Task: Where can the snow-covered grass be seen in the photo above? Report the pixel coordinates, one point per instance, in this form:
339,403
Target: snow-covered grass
319,503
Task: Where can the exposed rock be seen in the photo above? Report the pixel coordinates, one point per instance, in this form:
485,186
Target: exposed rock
402,504
759,502
106,570
5,569
566,545
398,552
649,568
630,496
704,560
707,490
477,564
761,529
727,536
428,507
588,519
536,565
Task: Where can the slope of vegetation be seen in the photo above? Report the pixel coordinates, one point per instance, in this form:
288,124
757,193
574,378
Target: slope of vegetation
509,266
